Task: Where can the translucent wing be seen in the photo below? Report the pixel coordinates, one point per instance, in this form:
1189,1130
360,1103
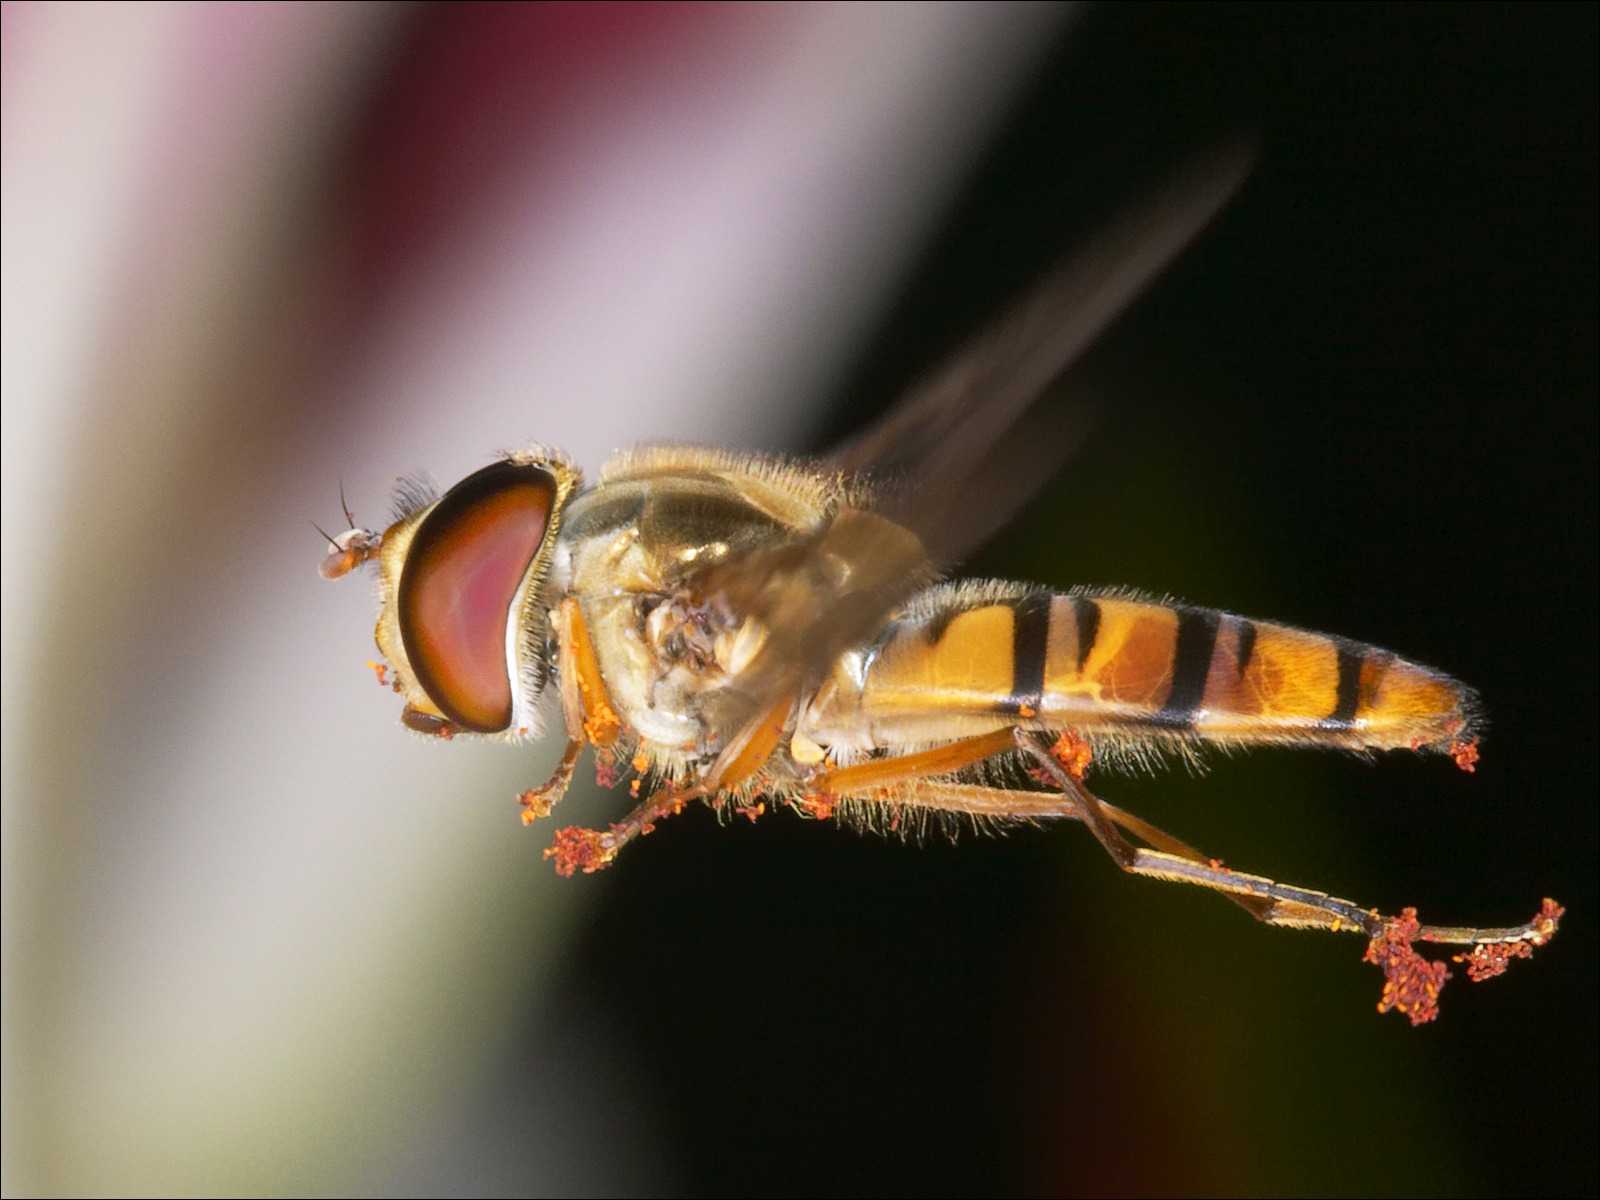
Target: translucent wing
961,452
967,447
815,596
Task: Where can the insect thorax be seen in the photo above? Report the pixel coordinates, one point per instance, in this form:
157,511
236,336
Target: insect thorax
637,551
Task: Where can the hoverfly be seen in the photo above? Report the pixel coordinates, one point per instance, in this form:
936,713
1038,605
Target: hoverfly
746,630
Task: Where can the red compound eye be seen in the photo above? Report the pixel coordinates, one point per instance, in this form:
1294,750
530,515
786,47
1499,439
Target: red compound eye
461,574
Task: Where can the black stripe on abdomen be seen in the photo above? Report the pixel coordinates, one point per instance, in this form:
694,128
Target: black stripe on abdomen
1086,616
1247,645
1348,697
1030,643
1191,664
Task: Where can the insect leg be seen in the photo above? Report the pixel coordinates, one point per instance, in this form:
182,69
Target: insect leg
1267,900
906,774
600,722
886,772
980,801
582,692
576,848
1412,982
902,779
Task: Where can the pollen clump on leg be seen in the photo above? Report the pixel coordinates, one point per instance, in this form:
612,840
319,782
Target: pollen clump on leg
1073,753
1487,961
536,804
818,807
1411,982
1465,754
601,726
576,848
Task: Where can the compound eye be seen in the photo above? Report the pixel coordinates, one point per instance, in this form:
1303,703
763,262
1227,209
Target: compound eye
461,574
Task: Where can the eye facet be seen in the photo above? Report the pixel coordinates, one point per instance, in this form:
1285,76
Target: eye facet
462,571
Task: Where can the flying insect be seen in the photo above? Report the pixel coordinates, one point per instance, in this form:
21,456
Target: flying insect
752,631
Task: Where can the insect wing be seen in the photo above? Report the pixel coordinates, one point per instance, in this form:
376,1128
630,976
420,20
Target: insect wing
959,453
816,596
967,447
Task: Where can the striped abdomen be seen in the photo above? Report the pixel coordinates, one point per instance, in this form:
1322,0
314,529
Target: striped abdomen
968,658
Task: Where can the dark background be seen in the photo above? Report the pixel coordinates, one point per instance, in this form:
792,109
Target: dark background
1364,403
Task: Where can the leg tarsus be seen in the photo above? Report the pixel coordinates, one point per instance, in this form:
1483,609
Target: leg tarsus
537,802
590,850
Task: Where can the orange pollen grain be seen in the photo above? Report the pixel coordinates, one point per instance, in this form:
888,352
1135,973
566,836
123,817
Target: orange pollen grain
1073,753
1491,959
535,804
601,726
819,807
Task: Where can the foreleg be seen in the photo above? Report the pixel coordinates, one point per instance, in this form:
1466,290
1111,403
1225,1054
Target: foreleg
589,850
585,709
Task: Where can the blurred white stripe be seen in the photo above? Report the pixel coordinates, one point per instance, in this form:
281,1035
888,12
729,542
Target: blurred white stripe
280,934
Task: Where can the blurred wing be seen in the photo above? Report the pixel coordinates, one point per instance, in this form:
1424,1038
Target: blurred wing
966,448
954,458
814,597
